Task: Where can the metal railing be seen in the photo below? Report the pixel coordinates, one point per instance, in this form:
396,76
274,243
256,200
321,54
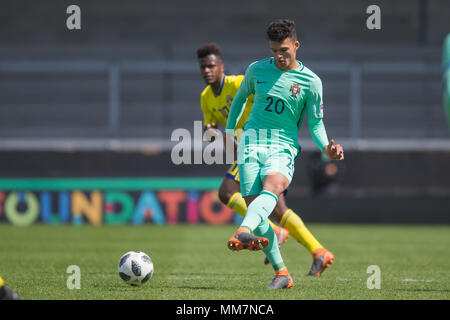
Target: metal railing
114,70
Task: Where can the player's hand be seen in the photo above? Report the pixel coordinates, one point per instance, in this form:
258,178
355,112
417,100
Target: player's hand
334,151
211,125
212,131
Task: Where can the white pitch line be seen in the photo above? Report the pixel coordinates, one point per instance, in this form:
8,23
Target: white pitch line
414,280
225,278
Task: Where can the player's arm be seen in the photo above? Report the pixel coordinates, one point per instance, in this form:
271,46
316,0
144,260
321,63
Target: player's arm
246,88
314,111
209,122
214,132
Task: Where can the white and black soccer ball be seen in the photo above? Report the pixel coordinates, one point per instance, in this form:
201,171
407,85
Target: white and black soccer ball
135,268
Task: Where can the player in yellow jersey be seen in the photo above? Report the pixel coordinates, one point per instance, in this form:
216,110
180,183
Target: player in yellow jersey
7,293
216,101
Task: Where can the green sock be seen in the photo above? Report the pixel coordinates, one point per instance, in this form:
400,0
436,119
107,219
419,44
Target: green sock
272,251
259,210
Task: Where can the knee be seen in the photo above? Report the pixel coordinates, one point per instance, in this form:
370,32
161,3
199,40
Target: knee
275,189
276,184
225,194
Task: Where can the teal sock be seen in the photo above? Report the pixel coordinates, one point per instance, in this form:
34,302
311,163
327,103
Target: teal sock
272,251
259,210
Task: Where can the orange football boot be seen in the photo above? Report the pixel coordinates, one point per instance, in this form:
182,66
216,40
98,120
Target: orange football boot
322,260
243,239
282,280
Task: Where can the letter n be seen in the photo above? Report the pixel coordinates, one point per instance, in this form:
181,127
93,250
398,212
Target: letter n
92,210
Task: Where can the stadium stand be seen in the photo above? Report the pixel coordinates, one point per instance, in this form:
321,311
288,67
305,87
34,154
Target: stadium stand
51,102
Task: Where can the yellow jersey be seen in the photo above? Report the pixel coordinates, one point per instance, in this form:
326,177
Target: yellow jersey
216,108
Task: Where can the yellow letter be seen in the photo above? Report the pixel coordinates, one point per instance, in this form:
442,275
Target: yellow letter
92,210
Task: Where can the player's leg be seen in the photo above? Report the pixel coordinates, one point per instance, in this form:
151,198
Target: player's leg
250,187
322,258
277,171
263,230
282,161
287,218
265,201
7,293
230,195
282,278
276,178
256,220
275,183
276,215
260,204
243,237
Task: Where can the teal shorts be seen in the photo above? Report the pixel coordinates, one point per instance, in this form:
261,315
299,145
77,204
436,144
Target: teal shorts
257,161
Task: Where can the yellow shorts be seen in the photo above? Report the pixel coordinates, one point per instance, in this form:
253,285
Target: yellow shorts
233,172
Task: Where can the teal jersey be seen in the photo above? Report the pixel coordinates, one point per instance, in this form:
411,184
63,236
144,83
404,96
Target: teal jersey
446,58
446,73
282,98
446,54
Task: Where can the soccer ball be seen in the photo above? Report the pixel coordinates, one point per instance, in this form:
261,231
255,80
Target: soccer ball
135,268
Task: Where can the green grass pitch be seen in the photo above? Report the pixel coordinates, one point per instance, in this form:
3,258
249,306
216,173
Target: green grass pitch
193,262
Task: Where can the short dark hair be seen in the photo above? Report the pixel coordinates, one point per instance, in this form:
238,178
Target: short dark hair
281,29
208,49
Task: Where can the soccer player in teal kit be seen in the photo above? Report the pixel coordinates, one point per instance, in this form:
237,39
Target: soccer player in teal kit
284,91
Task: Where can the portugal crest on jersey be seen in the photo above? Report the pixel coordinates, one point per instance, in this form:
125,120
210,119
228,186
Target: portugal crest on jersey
295,89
